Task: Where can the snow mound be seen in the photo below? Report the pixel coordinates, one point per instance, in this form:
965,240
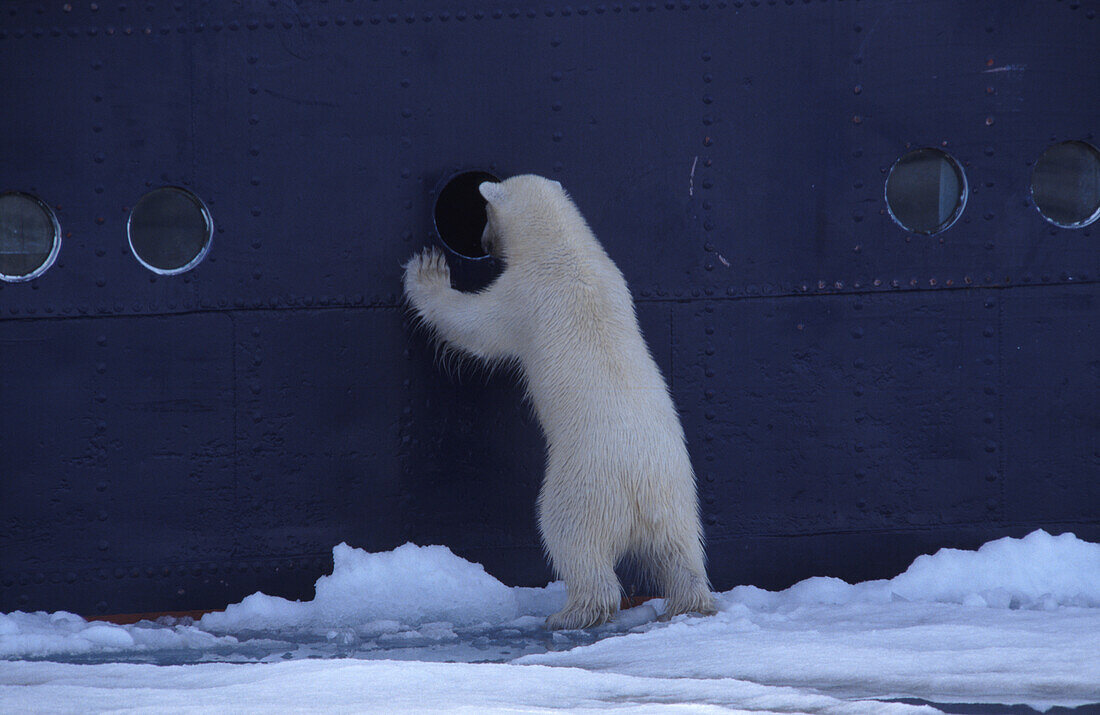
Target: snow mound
1039,571
410,585
31,635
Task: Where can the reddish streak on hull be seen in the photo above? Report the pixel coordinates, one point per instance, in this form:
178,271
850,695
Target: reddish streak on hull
124,619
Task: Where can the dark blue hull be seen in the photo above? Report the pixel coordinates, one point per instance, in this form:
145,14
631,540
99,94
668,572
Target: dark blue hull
854,393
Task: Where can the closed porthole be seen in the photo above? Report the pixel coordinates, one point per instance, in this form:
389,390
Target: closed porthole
1065,184
170,230
30,237
926,191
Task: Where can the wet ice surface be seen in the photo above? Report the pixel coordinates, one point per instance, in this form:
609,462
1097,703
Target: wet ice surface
1015,622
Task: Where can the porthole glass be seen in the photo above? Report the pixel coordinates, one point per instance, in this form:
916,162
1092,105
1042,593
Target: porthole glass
926,191
1065,184
460,213
30,237
170,230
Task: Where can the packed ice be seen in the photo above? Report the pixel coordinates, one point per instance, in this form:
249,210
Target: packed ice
1016,621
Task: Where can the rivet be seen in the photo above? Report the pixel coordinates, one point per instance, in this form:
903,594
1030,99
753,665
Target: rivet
989,121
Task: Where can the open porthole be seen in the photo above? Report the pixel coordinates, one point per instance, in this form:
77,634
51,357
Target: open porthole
459,213
926,191
30,237
170,230
1065,184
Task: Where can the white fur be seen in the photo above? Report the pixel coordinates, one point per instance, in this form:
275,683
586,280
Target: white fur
618,478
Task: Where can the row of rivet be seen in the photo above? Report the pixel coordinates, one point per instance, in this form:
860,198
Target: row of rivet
461,15
994,505
251,350
99,380
565,10
410,18
701,167
995,438
390,300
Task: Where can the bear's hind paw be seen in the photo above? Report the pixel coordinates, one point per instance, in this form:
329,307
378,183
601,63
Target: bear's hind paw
573,618
700,606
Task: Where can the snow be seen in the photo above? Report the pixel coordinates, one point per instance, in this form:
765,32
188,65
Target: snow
411,584
1017,621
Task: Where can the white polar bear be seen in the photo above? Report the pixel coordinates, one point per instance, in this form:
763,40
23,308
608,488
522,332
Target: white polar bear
618,479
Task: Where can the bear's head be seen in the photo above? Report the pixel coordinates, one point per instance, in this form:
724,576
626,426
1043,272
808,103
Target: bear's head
523,212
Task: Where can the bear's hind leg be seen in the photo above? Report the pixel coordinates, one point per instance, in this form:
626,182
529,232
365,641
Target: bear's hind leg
593,599
679,567
583,552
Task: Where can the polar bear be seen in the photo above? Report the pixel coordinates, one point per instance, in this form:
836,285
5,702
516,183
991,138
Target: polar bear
618,479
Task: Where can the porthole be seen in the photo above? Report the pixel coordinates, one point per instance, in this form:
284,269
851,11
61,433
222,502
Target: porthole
926,191
30,237
460,213
1065,184
170,230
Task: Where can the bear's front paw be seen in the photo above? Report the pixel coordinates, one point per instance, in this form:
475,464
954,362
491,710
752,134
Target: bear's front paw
426,271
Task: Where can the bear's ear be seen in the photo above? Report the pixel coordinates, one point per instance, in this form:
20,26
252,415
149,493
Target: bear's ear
492,191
